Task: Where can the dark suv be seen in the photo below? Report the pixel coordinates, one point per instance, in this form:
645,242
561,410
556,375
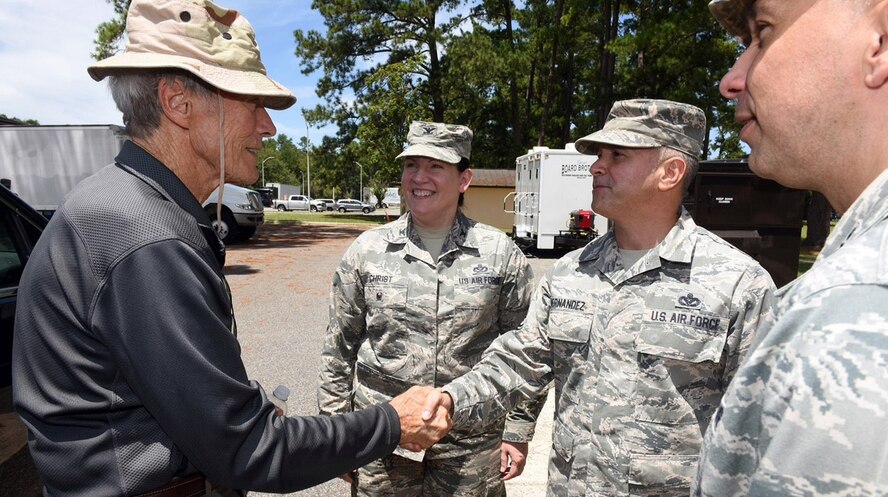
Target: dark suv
20,227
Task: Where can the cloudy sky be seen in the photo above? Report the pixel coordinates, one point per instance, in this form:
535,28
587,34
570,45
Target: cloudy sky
45,47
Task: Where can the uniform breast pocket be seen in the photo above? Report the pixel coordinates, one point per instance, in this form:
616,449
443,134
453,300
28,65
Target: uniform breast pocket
679,367
475,296
386,306
570,334
394,296
471,311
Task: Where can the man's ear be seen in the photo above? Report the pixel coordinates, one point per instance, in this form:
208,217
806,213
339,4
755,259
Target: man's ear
876,57
672,173
465,179
175,101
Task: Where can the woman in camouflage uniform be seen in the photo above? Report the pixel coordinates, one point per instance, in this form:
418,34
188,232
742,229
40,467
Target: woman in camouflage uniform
416,302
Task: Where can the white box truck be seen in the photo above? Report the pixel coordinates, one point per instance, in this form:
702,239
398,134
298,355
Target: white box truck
550,186
282,191
43,163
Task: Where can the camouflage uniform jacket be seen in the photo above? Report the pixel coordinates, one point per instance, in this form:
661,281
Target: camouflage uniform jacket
398,319
640,358
807,412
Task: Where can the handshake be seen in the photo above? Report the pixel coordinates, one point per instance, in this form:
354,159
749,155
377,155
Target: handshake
425,416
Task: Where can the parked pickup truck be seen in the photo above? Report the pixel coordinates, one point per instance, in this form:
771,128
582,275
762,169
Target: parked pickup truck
293,203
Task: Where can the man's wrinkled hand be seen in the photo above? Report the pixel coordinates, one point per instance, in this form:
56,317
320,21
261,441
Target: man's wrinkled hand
420,430
513,457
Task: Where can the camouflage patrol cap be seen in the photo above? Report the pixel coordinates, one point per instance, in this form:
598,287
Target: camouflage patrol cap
215,44
733,15
645,123
447,142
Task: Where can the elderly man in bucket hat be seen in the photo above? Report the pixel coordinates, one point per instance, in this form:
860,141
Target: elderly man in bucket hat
807,412
127,369
641,331
416,302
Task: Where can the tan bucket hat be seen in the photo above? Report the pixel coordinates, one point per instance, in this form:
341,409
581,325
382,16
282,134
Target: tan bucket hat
446,142
216,44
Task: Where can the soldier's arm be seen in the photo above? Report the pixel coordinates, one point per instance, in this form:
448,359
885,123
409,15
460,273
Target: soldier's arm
514,302
345,332
754,300
517,365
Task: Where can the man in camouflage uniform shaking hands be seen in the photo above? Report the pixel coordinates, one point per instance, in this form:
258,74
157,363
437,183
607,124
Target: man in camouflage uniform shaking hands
641,330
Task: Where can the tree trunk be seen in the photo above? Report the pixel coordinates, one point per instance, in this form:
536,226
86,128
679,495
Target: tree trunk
569,83
515,117
607,60
528,97
435,73
550,80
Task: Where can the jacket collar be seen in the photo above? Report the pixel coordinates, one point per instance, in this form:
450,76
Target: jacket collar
403,232
869,210
677,247
147,168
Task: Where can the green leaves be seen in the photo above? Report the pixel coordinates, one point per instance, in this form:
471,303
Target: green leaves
109,34
519,74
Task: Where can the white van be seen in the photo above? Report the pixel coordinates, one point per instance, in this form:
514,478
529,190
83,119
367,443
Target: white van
242,212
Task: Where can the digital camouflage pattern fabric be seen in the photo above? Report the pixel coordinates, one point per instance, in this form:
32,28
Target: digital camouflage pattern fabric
475,474
649,123
733,15
447,142
807,413
639,356
398,318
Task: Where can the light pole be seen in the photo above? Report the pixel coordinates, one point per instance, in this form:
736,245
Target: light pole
301,178
263,167
307,160
361,174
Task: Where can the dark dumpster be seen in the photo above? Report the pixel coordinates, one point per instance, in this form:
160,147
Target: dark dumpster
758,216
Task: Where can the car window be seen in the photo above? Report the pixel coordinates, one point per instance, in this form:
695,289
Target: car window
12,248
10,262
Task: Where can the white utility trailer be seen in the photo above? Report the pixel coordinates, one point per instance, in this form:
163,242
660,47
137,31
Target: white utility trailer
550,184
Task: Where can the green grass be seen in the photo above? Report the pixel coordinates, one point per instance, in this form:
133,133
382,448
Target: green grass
808,256
806,259
325,217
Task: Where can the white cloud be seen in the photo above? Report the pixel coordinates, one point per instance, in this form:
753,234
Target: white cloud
44,54
45,50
